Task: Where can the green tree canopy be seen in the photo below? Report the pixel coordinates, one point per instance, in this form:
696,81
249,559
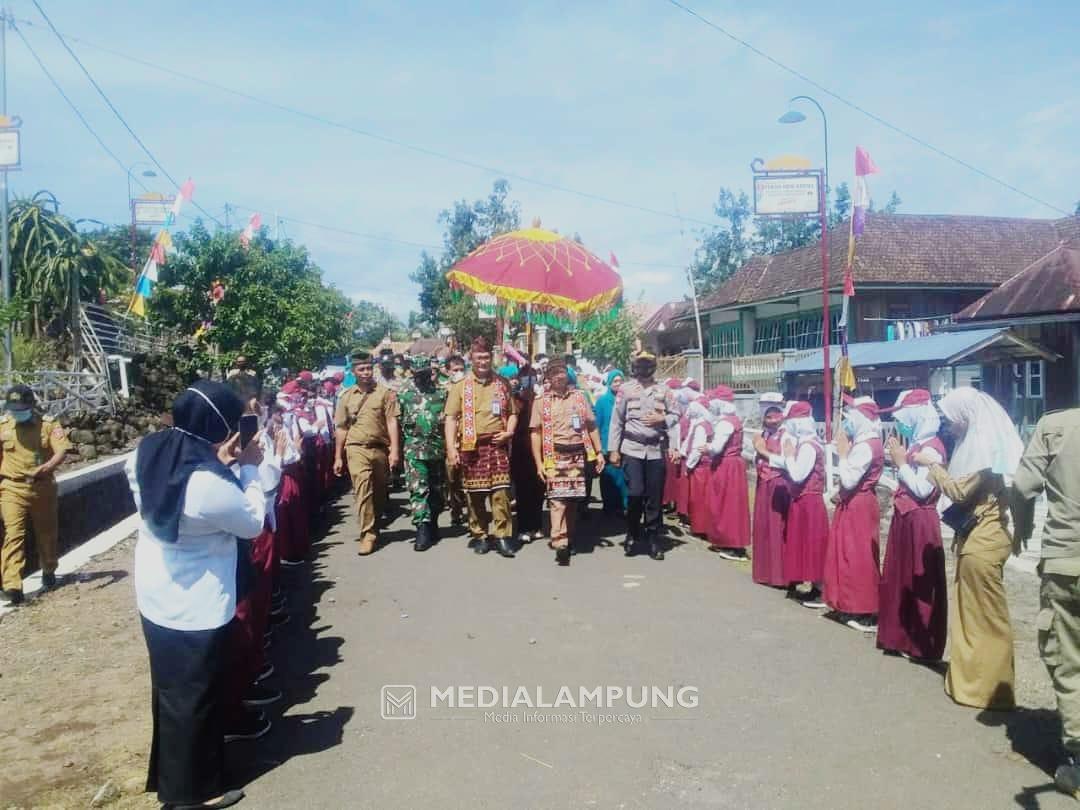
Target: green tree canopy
610,341
52,263
467,226
275,308
373,322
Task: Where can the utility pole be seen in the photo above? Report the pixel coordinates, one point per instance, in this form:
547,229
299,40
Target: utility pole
5,258
228,210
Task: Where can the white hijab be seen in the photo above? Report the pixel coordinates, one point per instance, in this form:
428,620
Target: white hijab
990,441
803,429
697,413
865,427
922,419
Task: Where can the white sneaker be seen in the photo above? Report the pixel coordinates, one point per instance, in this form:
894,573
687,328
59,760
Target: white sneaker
864,627
728,554
525,538
813,604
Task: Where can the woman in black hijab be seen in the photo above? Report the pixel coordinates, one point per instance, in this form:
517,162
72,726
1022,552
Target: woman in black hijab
193,509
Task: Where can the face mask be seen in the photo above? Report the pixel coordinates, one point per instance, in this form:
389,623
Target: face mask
907,432
22,416
457,376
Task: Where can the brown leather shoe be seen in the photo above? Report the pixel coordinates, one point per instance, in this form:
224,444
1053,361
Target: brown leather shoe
367,545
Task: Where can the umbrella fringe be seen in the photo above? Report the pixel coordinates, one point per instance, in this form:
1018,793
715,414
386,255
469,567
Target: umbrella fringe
540,316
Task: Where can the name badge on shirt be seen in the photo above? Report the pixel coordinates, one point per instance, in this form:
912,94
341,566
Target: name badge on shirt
575,422
496,408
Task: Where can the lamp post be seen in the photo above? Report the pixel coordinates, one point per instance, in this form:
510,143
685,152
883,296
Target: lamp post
149,172
795,117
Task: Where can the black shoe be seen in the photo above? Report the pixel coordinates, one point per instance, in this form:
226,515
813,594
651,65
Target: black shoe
1067,776
629,547
13,596
228,799
265,673
261,696
505,546
279,619
456,519
656,549
423,537
253,726
50,582
562,555
480,545
435,536
603,542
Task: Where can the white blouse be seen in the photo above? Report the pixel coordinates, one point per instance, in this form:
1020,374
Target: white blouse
191,584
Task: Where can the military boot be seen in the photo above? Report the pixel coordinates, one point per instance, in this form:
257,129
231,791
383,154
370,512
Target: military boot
424,537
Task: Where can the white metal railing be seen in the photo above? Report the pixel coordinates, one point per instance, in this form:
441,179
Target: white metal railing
120,333
62,392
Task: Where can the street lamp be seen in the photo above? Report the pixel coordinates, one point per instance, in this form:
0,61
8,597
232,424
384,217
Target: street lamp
793,116
148,172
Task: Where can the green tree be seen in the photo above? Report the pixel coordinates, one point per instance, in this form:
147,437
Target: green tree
374,322
611,341
115,240
53,264
467,226
275,307
723,250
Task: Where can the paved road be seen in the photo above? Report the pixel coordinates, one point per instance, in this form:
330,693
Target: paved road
794,710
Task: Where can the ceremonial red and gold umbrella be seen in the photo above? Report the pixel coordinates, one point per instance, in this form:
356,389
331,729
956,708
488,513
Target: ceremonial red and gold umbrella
557,280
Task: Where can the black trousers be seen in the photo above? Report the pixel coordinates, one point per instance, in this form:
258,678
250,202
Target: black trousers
645,488
189,684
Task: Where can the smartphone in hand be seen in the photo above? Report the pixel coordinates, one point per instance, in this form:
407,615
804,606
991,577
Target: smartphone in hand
249,426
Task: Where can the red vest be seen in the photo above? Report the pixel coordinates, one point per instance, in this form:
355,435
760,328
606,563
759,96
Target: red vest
734,442
905,501
765,471
815,482
873,472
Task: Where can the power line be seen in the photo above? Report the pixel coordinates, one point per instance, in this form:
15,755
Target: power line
70,103
848,103
335,229
423,150
112,106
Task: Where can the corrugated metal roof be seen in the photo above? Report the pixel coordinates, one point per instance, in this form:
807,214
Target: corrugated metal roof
939,348
1049,285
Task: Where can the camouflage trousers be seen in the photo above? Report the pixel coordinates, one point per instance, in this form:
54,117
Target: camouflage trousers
424,478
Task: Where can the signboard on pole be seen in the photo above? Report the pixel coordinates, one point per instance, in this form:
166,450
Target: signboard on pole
10,151
787,194
152,210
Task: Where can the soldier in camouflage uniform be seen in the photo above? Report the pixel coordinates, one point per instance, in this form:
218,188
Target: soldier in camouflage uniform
422,402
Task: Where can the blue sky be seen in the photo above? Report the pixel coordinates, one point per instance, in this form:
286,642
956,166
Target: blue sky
632,100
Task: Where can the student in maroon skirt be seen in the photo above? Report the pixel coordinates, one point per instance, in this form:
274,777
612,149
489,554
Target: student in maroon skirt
771,497
807,531
672,463
729,495
686,395
696,465
852,561
914,607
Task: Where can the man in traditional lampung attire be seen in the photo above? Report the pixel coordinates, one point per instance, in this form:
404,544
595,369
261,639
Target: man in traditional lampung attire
481,416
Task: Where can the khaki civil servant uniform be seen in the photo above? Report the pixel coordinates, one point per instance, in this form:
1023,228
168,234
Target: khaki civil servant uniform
363,415
981,670
1051,463
26,446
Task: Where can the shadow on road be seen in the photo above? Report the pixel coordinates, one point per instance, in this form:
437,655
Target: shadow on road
1035,734
300,653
